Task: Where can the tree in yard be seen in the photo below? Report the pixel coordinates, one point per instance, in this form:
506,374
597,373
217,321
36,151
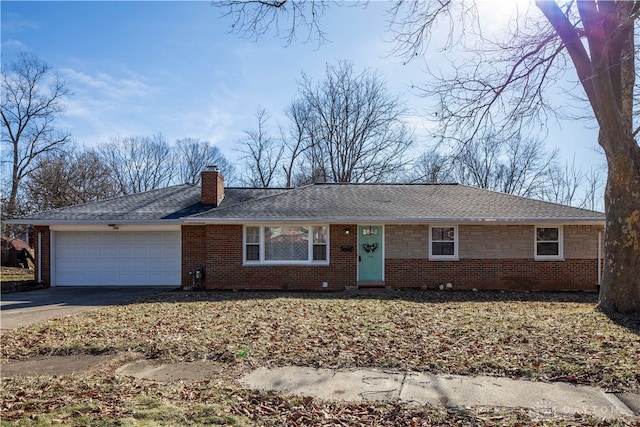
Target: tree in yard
32,100
261,154
431,167
297,143
69,178
512,166
354,127
139,163
193,155
503,86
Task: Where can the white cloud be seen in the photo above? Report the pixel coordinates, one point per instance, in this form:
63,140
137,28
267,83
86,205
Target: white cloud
14,44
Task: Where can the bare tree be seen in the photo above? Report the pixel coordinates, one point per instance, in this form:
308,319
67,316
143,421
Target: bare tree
431,167
193,155
297,143
261,154
255,18
564,184
597,39
502,86
67,179
354,125
592,198
32,100
139,163
512,166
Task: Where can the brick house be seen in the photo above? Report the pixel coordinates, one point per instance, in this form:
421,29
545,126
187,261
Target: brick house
320,237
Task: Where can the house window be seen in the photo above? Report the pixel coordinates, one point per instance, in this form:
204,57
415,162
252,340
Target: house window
285,244
319,243
548,243
252,244
443,242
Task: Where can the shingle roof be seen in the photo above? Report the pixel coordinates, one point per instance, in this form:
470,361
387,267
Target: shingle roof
165,204
322,203
397,203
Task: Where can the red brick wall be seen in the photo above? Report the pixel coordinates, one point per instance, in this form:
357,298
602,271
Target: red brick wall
193,251
212,187
45,268
524,274
219,248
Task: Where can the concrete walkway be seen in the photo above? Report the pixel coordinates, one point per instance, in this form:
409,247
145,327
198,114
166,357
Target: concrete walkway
448,390
362,385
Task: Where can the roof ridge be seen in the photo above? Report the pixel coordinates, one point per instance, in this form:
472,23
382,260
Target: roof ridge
387,183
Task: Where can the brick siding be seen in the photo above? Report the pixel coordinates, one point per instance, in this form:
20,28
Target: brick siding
45,257
219,248
489,241
581,241
521,274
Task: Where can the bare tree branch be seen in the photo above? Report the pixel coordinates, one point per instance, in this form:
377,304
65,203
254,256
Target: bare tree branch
32,99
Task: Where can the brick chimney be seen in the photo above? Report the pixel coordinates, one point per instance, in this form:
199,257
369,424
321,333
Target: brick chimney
211,186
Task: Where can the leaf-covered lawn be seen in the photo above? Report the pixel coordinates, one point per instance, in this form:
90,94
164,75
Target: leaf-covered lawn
112,401
503,334
538,336
12,274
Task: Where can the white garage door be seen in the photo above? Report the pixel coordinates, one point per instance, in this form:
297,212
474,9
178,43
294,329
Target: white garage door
90,258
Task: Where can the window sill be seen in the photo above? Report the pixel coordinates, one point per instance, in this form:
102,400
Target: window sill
288,263
548,258
444,258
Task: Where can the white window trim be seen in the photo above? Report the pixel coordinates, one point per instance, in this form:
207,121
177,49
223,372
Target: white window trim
453,257
560,256
262,260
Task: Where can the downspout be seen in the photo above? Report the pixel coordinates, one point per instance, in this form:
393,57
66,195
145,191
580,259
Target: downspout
599,258
39,257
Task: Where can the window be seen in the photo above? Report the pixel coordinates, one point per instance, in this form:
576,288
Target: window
284,244
319,243
443,242
252,244
548,243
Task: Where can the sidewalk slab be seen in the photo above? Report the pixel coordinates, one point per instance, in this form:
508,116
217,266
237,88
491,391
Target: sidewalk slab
53,365
562,398
443,390
327,384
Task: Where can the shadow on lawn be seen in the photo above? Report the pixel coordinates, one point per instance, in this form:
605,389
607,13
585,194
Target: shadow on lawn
410,295
630,322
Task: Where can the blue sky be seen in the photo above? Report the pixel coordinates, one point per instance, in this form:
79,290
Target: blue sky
141,68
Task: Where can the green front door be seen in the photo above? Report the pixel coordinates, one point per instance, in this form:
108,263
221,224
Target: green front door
370,253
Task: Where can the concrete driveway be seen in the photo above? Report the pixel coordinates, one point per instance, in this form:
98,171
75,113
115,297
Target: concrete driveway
27,308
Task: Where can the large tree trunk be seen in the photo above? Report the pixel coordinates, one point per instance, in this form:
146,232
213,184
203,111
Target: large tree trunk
607,74
620,290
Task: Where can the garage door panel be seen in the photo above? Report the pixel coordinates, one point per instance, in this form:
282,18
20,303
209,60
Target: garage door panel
117,258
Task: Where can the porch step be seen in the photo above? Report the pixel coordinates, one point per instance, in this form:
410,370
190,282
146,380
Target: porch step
371,285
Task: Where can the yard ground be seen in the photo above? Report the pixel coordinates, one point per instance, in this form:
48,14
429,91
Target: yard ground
15,274
537,336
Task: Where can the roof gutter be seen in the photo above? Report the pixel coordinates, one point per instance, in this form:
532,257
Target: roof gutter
19,221
364,220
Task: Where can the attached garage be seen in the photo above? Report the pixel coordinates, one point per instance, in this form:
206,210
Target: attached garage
116,258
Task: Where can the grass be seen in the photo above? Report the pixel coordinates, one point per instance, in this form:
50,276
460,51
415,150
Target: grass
14,274
535,336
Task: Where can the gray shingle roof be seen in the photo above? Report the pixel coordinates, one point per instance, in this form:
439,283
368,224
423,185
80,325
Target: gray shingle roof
322,203
165,204
397,203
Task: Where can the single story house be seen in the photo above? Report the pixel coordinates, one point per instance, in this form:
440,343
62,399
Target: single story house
320,237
